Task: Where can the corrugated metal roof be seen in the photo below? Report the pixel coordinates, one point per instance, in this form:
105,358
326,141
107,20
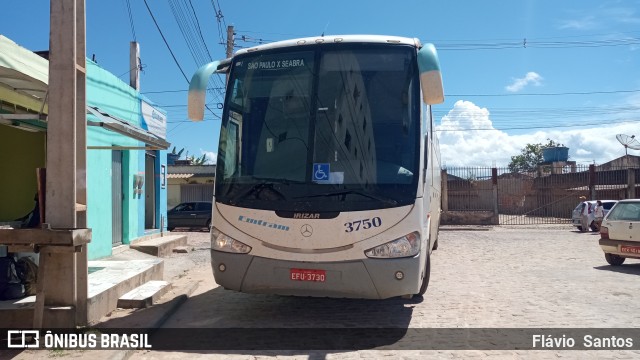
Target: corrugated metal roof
192,169
179,176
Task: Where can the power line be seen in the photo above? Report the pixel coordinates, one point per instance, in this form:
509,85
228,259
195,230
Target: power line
182,90
547,94
459,95
600,123
195,16
221,23
133,30
523,43
189,25
169,48
165,41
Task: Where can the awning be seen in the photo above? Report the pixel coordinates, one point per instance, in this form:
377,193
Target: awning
28,122
179,176
23,76
120,126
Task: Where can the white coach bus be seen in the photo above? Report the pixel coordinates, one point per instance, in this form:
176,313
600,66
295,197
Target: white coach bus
328,169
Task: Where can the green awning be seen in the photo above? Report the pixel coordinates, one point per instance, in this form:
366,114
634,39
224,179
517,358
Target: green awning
120,126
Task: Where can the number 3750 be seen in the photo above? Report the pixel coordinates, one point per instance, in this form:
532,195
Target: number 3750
362,224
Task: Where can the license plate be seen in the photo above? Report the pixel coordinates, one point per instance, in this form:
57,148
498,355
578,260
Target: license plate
630,249
307,275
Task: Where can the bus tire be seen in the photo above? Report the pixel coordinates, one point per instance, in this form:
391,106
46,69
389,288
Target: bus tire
425,279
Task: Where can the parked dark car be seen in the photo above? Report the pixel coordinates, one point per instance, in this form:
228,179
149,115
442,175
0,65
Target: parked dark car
190,214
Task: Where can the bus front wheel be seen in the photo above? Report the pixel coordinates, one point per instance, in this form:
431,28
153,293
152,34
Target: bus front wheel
425,279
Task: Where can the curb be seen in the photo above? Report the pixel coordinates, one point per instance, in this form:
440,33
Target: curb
177,302
445,228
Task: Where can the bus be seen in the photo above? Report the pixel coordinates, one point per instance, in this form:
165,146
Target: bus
328,169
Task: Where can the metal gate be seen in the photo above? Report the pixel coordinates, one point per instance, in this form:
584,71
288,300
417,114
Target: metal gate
540,198
196,192
545,196
116,197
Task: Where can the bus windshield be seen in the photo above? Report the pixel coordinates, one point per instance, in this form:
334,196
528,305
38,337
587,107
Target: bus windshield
327,128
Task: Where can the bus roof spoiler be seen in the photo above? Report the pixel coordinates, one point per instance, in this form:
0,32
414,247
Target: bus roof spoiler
430,76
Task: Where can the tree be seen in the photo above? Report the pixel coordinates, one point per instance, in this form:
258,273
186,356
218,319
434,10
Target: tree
202,160
530,156
177,153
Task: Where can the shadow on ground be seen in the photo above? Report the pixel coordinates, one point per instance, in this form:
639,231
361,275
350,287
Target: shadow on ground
226,322
633,269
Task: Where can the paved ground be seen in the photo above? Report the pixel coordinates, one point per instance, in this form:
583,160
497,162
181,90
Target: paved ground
505,277
501,277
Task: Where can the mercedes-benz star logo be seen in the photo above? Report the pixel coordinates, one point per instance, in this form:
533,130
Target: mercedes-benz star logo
306,230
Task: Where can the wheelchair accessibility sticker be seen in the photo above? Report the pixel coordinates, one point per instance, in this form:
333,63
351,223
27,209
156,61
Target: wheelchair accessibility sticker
320,171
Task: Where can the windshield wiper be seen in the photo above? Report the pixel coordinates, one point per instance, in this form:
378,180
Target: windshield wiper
384,199
266,183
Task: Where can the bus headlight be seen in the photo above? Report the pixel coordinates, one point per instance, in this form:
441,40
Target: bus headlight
225,243
408,245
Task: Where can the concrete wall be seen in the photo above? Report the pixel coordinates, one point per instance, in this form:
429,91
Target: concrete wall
99,201
118,99
469,218
21,152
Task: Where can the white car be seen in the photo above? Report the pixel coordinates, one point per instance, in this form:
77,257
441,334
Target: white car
586,210
620,232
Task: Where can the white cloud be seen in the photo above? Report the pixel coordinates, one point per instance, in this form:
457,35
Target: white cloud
484,148
585,23
519,84
606,16
212,157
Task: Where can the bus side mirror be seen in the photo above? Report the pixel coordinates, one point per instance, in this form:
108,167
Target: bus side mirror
198,91
430,76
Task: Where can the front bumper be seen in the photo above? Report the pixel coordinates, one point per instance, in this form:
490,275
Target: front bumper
363,279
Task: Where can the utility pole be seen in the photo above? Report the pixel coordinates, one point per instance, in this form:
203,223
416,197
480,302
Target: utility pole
230,44
134,65
230,41
62,276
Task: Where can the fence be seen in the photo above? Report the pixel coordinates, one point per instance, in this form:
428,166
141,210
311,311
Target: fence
481,195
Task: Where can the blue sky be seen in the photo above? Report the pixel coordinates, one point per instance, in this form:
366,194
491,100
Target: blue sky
527,70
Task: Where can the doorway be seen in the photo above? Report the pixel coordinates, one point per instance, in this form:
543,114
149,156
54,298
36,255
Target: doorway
150,190
116,197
